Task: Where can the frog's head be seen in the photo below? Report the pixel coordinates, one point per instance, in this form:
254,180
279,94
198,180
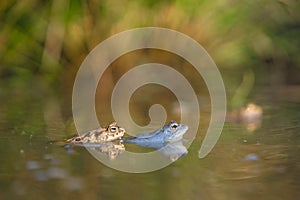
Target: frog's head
174,131
113,131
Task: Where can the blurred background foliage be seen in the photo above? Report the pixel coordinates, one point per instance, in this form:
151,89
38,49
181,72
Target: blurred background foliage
251,41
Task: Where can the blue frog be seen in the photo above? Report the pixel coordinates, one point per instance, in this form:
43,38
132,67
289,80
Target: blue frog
170,133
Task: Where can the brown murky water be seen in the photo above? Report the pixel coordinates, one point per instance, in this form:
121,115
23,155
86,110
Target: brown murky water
262,164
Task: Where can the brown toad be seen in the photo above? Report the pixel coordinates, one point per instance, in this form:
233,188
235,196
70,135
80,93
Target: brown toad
99,135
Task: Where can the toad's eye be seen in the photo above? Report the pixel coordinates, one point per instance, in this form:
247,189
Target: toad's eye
113,129
174,126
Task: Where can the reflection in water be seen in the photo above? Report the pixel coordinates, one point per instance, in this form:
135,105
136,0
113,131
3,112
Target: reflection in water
111,149
174,150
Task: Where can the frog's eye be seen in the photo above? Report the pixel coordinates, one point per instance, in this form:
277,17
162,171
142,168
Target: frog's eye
174,126
113,129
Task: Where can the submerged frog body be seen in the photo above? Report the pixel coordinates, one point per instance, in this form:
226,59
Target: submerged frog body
168,134
99,135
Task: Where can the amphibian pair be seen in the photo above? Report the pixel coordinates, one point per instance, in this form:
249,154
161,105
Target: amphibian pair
169,133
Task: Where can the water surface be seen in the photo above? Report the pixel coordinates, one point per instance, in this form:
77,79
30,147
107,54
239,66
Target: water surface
262,164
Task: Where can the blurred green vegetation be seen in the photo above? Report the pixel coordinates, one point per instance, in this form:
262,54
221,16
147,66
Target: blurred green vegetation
49,38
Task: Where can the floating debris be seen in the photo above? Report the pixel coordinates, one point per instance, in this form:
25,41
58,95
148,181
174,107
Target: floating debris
249,116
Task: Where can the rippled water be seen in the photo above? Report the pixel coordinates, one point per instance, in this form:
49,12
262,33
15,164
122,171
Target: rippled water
262,164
